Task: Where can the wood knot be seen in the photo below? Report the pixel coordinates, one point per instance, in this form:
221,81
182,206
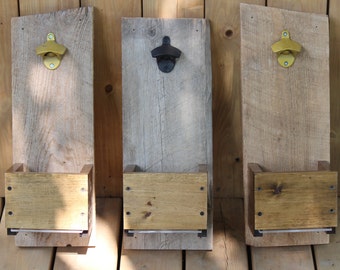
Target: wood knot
277,189
147,214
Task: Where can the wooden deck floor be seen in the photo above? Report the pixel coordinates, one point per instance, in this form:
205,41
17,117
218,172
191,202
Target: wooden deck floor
229,252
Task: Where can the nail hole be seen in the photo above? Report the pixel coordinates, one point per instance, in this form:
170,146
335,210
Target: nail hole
108,88
201,188
9,188
127,188
10,213
259,189
237,159
128,213
331,210
202,213
229,33
259,214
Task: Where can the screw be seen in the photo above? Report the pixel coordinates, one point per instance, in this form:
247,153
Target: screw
285,63
50,36
285,34
52,65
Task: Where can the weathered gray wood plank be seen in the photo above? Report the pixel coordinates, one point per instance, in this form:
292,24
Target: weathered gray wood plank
167,124
285,112
53,109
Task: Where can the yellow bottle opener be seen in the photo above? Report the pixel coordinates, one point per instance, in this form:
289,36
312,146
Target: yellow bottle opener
51,52
286,50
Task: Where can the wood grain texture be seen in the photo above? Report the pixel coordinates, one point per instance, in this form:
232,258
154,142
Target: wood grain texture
13,257
53,110
105,254
327,257
173,8
150,260
315,6
167,116
224,17
286,127
165,201
48,201
8,9
295,200
282,258
29,7
334,32
229,250
108,91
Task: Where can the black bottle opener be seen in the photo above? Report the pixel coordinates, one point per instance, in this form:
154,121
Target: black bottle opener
166,55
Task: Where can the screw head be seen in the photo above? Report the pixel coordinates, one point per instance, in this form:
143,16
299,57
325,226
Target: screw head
52,65
286,63
50,36
285,33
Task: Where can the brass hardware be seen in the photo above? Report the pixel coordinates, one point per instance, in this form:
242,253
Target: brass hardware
286,50
51,52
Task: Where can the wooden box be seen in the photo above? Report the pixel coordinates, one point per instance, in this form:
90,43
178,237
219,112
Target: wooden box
49,201
293,201
165,201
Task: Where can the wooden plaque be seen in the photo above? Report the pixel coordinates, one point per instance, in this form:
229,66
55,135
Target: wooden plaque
285,111
53,109
167,117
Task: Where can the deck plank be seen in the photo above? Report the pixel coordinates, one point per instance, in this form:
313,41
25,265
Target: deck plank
105,254
229,250
15,258
282,258
151,260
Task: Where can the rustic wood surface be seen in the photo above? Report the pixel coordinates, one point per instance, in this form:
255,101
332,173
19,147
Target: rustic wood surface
165,201
167,116
8,9
173,8
105,254
29,7
315,6
229,250
281,198
53,110
334,28
13,257
284,128
224,17
282,258
227,130
108,91
49,201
